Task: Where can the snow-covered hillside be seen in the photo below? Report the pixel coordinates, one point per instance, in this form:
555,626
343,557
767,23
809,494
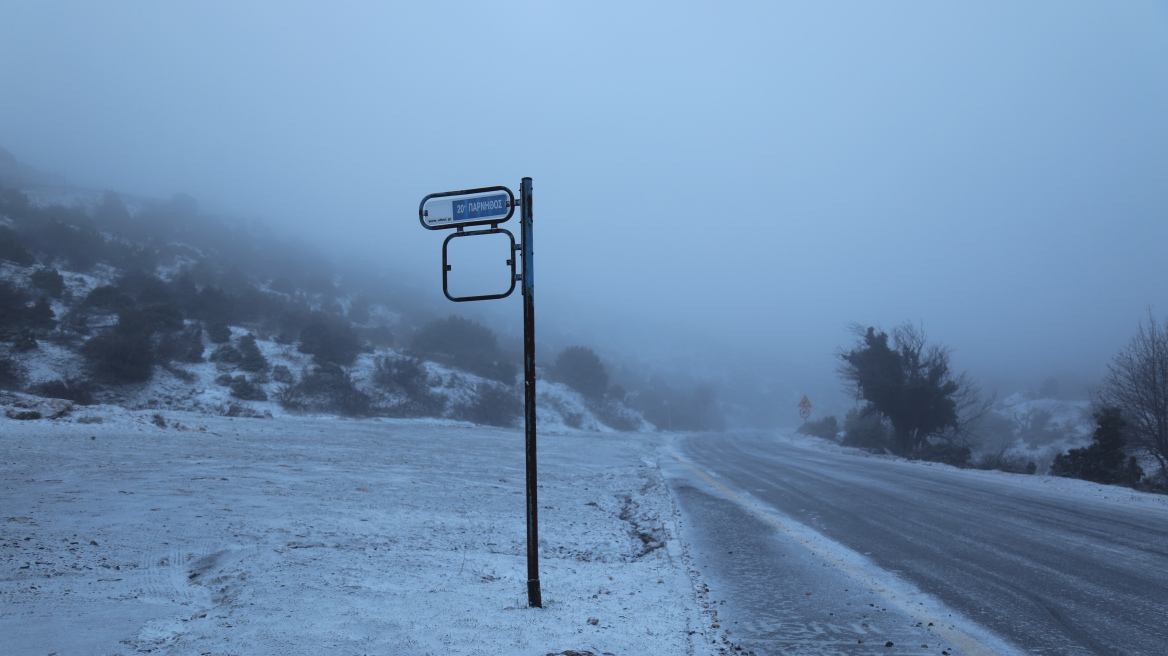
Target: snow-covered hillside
148,305
1034,429
194,387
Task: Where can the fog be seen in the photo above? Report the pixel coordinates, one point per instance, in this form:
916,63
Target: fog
719,191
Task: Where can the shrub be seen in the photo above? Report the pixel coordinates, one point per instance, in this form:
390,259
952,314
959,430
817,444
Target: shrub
13,310
24,340
401,375
242,388
107,299
281,374
944,452
13,202
464,344
617,393
79,391
182,374
612,414
580,368
1103,461
826,428
251,358
40,316
49,281
218,333
12,248
493,405
123,353
328,388
235,409
1002,460
329,340
161,317
183,346
216,307
864,428
11,373
226,354
429,404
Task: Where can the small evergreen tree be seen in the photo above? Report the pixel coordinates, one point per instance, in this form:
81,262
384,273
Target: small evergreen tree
218,333
40,315
49,281
13,310
11,373
282,374
330,340
247,390
12,248
493,404
407,379
123,353
1104,460
580,368
226,354
193,337
252,360
327,388
465,344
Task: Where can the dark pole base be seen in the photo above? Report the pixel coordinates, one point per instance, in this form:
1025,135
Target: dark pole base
533,596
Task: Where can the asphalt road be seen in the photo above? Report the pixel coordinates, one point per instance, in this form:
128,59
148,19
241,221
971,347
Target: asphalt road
1047,572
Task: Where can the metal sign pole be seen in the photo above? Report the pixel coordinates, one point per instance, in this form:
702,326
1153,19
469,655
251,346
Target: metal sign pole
490,206
533,594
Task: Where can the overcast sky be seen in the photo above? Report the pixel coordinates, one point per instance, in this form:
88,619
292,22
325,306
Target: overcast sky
708,176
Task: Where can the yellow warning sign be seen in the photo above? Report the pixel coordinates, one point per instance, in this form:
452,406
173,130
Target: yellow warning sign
805,403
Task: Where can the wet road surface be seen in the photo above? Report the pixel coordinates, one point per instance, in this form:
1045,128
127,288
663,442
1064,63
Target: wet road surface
1046,572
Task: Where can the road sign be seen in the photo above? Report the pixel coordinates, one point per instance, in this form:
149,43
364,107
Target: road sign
510,261
492,206
805,407
468,207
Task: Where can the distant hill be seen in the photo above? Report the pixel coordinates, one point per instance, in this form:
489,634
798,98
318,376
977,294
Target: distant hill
22,176
148,303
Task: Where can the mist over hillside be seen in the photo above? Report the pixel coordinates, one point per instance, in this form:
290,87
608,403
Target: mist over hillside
144,302
211,271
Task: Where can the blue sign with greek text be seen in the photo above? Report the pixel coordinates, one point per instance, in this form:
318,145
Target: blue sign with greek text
468,207
483,207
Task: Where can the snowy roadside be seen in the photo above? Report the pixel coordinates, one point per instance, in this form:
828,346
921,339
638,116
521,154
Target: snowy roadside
216,535
1054,484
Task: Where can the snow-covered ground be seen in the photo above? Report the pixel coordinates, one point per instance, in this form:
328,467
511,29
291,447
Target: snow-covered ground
126,532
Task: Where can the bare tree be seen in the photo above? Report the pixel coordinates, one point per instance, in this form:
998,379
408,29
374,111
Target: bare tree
1137,384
